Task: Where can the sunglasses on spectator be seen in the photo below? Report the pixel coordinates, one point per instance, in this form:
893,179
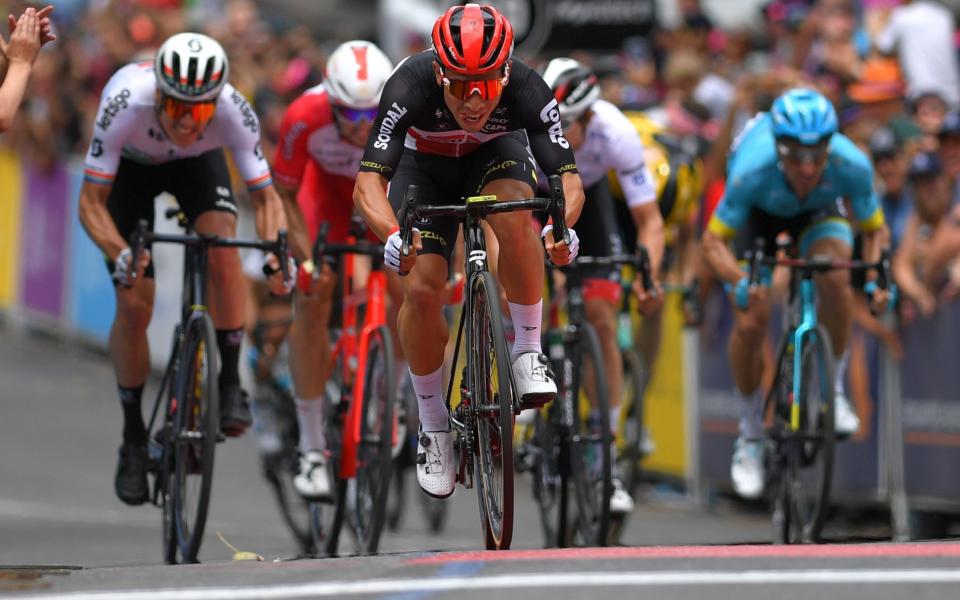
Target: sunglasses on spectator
201,112
798,154
487,88
355,115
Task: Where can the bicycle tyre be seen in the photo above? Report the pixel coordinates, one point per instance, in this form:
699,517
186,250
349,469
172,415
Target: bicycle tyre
810,462
375,450
326,518
631,405
195,432
280,468
549,482
590,440
492,412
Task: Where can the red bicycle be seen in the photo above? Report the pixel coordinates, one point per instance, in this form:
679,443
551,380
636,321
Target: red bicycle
361,426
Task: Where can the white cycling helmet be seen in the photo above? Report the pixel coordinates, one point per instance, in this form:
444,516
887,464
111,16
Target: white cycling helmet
191,67
356,73
573,85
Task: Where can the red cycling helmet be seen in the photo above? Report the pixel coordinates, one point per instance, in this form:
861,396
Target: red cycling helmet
472,39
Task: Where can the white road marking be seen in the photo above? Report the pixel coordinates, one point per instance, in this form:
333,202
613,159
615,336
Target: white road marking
522,580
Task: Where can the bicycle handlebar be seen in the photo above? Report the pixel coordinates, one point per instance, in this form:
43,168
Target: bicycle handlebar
322,249
640,261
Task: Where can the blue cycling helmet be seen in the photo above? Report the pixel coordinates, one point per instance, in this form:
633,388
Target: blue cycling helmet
804,115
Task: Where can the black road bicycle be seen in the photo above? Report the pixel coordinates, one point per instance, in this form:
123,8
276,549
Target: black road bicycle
185,421
483,419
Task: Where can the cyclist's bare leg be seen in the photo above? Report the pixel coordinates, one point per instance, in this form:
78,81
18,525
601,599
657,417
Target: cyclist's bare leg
129,348
420,323
310,340
602,314
226,288
648,339
520,266
746,343
835,292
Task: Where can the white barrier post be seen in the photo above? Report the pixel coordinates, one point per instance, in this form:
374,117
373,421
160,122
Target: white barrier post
691,412
891,443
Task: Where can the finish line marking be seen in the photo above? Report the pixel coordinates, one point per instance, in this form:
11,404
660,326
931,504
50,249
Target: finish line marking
520,581
880,550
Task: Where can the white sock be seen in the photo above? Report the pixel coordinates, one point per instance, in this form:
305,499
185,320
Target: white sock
527,320
433,410
310,420
842,361
751,418
614,419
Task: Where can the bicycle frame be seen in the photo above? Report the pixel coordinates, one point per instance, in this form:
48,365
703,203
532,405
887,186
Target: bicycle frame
806,326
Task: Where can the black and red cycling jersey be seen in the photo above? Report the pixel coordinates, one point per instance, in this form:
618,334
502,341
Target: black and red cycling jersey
414,115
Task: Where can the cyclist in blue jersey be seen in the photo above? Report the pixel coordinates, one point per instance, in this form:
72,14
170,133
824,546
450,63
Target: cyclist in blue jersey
790,171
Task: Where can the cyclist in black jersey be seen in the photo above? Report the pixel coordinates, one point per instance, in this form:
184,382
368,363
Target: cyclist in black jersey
457,121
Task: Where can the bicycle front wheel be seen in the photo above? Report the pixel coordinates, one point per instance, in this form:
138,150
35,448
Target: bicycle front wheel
196,426
631,406
375,450
492,408
590,441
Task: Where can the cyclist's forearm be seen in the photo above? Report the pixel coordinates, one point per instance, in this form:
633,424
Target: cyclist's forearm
370,198
649,224
872,248
300,243
573,197
720,258
97,222
268,212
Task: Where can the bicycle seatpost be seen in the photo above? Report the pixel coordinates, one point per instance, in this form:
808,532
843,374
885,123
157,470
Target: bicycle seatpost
558,208
408,212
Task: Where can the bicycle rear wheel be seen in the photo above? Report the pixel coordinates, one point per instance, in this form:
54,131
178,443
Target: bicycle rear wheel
492,403
194,436
326,518
549,480
590,443
375,451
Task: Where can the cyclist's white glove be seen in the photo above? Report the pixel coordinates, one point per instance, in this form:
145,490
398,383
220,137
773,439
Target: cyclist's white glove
391,250
573,247
124,268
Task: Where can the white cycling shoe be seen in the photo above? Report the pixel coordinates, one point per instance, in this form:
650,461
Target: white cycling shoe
746,468
620,501
313,480
846,421
436,463
535,384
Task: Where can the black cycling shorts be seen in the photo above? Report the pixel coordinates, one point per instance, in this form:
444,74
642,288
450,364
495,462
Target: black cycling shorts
448,180
803,229
199,183
598,229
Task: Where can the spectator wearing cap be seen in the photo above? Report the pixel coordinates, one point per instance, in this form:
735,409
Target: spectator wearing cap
949,149
890,164
921,34
925,264
879,93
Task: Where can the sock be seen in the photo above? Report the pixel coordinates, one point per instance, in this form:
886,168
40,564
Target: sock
228,342
841,373
751,419
310,420
433,410
614,420
527,320
134,430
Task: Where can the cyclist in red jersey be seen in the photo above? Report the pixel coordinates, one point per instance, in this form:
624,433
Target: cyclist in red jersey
459,120
321,143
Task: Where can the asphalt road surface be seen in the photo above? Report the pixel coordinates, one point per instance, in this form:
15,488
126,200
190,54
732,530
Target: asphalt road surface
63,534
